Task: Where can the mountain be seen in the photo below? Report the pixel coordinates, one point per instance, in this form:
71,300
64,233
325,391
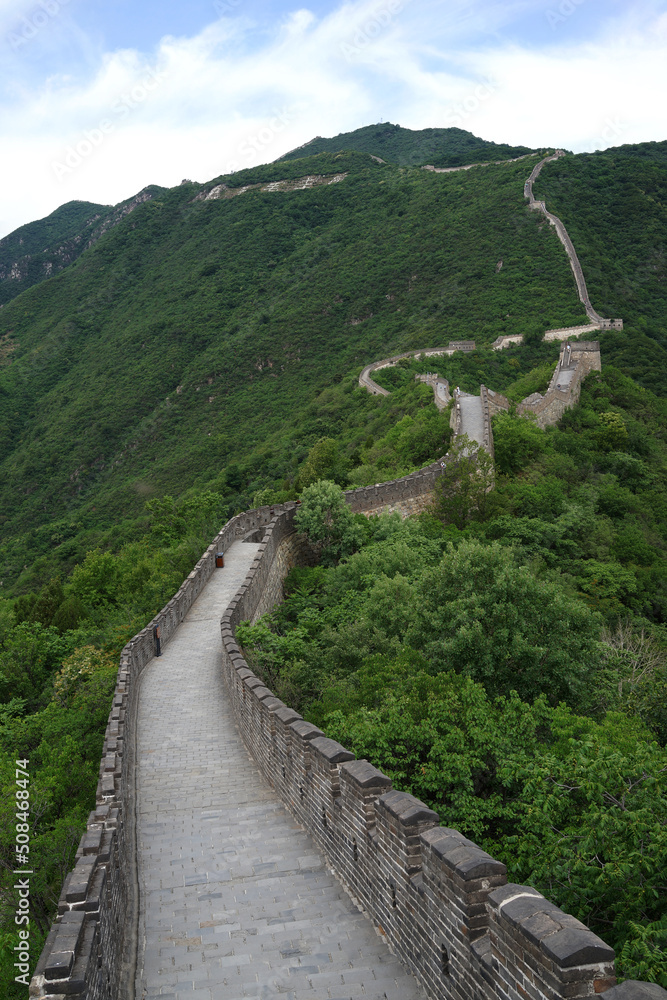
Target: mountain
441,147
41,249
196,351
209,334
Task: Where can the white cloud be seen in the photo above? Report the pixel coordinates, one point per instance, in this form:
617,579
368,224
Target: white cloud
240,93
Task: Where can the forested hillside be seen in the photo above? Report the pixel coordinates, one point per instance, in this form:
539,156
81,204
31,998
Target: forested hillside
41,249
504,656
441,147
186,347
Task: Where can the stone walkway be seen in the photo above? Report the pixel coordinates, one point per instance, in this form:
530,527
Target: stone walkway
472,417
235,900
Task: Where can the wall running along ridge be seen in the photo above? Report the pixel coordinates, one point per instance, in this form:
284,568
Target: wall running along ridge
603,324
443,903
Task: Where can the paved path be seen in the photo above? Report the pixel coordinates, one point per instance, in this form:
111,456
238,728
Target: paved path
235,899
472,417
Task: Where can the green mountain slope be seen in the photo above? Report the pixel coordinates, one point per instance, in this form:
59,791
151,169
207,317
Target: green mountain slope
41,249
196,329
443,147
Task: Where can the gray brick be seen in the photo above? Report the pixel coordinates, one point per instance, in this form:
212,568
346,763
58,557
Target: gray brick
217,848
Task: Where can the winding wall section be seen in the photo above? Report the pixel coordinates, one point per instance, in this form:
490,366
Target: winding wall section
366,382
443,904
564,237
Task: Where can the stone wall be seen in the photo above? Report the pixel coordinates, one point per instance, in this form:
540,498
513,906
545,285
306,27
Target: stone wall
372,499
442,902
564,237
366,382
90,951
506,341
548,409
441,394
569,332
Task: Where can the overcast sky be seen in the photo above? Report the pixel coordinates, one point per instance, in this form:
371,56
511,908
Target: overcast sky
100,99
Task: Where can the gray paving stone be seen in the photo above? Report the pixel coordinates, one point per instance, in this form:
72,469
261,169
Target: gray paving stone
236,902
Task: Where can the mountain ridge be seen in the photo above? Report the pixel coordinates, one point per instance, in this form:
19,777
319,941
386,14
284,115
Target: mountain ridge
221,320
444,147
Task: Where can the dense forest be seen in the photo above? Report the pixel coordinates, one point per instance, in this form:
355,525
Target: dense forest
503,656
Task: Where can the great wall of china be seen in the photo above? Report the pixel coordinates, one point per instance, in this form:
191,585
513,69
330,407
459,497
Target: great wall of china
441,903
471,415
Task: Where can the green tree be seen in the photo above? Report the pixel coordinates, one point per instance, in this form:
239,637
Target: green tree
324,462
29,654
461,492
594,833
613,435
517,441
483,615
326,519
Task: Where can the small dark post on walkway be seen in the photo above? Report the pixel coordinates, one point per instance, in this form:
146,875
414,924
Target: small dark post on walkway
156,636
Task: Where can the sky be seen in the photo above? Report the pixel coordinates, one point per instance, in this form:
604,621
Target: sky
99,99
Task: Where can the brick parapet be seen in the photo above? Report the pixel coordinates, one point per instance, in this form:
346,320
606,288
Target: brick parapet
432,892
442,902
487,433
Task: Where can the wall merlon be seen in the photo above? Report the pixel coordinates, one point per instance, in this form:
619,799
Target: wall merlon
330,751
631,990
364,775
461,855
305,730
407,809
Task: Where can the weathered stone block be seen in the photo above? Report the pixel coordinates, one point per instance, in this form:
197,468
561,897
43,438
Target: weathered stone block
364,774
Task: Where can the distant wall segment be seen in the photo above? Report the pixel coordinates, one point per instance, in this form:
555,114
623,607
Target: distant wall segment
564,237
366,382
